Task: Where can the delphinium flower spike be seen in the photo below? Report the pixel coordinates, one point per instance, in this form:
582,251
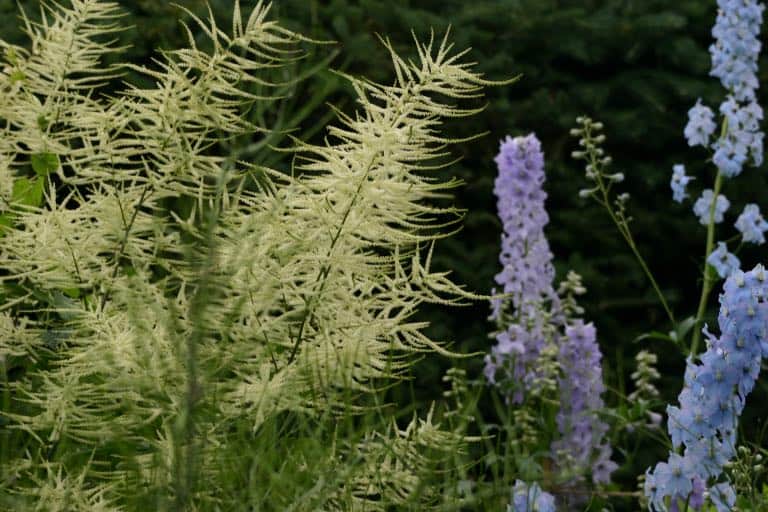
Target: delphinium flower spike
583,444
540,323
527,271
734,54
703,426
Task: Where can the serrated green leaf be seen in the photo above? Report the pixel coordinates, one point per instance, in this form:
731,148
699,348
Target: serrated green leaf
45,163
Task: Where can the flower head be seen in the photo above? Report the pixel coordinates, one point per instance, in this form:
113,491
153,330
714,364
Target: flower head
703,205
723,261
700,125
530,498
736,47
752,224
679,182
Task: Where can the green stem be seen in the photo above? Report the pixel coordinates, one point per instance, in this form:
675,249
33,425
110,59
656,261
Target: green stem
5,433
623,227
708,274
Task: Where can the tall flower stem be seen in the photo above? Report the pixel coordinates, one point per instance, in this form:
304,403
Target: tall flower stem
596,163
708,272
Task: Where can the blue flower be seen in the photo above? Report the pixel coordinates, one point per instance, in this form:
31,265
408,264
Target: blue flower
700,125
679,182
713,397
723,497
752,225
530,498
723,261
734,61
703,205
736,47
731,153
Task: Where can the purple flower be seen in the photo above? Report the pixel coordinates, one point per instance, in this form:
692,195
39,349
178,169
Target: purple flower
534,318
734,61
581,388
723,497
527,271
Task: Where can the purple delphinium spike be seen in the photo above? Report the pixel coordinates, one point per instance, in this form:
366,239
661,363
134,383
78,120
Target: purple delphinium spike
713,397
527,270
583,444
535,317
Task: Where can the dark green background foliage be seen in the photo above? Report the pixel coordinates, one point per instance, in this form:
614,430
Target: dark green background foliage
638,66
635,65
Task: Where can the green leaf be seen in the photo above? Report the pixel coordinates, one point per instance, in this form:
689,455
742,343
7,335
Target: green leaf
28,192
656,335
17,76
42,122
44,163
683,328
73,293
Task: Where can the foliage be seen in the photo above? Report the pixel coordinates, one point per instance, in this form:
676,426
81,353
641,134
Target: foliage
167,304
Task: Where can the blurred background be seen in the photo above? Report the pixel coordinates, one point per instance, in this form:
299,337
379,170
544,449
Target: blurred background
635,65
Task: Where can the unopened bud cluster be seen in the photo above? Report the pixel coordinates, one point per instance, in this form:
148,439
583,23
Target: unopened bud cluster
590,140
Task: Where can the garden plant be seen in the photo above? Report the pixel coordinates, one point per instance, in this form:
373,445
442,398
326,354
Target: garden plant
212,285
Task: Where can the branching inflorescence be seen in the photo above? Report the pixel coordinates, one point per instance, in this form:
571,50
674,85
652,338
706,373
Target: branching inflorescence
169,295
